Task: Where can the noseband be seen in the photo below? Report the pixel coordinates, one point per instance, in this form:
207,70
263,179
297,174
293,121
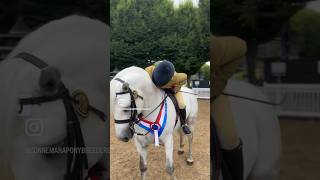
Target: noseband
75,161
133,107
134,117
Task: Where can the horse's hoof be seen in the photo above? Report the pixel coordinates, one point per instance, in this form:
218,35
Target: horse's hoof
189,163
180,152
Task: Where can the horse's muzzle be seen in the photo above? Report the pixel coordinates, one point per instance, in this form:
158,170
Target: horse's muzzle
125,139
128,136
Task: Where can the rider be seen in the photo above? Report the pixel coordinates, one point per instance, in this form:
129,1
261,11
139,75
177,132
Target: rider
227,54
164,76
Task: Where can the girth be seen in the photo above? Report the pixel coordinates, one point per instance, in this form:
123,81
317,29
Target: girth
75,161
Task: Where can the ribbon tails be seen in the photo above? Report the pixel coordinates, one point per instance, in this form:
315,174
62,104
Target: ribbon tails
156,128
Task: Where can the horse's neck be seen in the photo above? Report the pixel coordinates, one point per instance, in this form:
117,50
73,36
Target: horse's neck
152,100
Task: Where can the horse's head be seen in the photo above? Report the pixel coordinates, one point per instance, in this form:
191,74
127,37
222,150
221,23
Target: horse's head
44,95
128,91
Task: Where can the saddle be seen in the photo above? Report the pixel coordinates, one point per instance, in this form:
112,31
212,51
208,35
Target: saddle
170,94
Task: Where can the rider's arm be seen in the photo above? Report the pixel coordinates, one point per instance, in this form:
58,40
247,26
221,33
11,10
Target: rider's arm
227,54
150,69
227,49
177,81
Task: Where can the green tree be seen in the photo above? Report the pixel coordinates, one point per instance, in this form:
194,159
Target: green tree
188,59
141,32
253,20
147,31
306,27
205,70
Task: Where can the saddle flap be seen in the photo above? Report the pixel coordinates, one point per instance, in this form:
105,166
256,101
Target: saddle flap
175,103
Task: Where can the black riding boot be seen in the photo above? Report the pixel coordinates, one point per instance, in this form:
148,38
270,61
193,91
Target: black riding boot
183,117
232,163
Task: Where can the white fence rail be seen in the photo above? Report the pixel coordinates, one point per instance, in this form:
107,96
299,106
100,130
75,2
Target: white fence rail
202,93
297,100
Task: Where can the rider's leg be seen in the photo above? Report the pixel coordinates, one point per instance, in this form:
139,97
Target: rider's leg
227,132
227,53
182,108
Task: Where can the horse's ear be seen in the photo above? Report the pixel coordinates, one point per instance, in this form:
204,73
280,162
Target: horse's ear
125,87
50,80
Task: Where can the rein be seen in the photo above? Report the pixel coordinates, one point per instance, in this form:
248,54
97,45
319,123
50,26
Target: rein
189,93
254,100
134,117
250,99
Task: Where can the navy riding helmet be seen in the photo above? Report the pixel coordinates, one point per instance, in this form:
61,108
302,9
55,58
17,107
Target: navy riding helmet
162,73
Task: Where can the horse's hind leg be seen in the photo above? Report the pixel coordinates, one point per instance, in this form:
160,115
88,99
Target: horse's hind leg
169,155
181,151
190,159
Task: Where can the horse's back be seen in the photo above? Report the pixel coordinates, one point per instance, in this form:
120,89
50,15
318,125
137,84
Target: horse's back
191,103
262,144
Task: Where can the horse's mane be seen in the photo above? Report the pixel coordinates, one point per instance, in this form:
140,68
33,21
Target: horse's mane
133,75
130,70
130,75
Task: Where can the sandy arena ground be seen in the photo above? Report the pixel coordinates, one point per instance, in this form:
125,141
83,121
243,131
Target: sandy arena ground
124,159
300,149
300,157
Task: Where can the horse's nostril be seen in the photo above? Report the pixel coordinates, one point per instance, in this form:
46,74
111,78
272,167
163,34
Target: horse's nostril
130,134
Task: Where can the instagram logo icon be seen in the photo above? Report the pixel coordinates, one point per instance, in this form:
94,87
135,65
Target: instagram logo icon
33,127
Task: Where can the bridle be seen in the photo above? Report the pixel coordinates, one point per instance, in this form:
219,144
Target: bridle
75,161
134,118
133,106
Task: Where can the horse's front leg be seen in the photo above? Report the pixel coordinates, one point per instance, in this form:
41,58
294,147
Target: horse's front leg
142,150
169,155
